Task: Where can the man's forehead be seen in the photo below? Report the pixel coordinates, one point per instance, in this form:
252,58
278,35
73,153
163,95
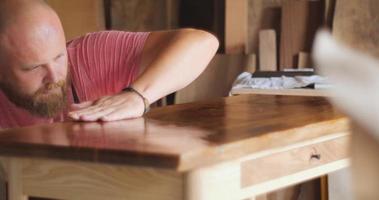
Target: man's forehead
32,43
31,33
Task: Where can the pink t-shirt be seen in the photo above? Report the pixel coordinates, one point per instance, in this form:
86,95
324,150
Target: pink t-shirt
100,63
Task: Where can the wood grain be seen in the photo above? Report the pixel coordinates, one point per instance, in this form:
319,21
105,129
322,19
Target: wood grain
267,50
300,20
88,181
236,26
14,173
301,159
183,137
79,17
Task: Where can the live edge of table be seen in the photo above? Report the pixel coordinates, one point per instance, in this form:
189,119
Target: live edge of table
230,148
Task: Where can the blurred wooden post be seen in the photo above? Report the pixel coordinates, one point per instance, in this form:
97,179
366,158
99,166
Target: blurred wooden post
304,60
267,50
365,164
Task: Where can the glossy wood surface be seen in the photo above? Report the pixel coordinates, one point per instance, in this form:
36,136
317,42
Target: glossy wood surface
185,136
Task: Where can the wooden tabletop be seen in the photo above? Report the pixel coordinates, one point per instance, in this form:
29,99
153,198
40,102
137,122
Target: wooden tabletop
183,137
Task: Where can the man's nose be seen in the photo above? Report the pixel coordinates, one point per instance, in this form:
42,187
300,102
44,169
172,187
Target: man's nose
51,74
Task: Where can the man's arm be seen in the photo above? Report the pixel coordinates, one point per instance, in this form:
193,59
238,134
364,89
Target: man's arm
170,61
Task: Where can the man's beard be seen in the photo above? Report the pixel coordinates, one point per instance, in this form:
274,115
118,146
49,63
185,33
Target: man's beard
41,103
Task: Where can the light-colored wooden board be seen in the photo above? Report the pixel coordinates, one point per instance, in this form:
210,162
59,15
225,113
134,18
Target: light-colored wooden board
14,179
267,50
79,17
84,181
262,14
236,26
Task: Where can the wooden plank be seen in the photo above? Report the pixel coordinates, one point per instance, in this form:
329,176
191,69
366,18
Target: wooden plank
79,17
217,79
84,181
262,14
236,26
304,60
300,20
267,50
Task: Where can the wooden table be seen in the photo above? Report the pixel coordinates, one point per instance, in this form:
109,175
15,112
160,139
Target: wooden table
231,148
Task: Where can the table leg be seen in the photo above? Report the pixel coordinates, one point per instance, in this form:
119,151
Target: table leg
3,189
11,172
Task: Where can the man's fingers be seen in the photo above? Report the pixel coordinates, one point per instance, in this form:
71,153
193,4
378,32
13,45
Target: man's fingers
94,116
77,106
96,107
120,114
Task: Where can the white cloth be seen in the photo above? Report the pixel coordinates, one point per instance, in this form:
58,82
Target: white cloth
245,80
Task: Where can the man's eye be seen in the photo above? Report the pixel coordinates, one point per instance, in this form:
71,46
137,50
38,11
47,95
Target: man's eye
32,68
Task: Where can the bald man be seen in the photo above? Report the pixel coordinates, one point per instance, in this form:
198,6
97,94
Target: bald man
107,76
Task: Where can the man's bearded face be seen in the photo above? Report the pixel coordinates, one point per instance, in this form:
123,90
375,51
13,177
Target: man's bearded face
48,101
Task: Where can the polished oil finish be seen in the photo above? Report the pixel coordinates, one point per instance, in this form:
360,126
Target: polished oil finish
185,136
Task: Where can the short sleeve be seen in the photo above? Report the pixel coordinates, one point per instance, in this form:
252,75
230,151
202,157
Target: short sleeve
102,63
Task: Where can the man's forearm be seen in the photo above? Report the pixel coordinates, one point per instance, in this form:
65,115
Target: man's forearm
181,58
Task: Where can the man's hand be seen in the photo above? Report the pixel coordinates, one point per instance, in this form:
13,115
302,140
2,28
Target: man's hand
124,105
